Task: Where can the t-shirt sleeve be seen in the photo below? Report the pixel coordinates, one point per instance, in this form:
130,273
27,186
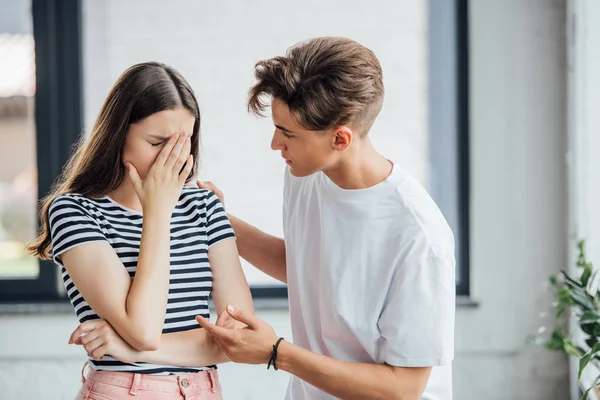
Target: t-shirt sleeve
417,321
286,197
71,225
217,224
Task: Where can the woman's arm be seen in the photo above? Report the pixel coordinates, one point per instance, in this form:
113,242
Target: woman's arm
136,309
229,282
194,348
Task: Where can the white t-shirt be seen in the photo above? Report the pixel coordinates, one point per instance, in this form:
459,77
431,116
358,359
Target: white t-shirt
370,277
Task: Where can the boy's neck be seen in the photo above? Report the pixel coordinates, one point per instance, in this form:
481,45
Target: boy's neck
360,168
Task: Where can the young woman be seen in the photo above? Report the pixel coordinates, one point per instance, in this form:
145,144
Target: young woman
139,251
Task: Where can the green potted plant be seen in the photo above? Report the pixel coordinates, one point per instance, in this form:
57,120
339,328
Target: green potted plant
581,296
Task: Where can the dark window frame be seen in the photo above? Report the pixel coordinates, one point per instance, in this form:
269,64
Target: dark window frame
463,287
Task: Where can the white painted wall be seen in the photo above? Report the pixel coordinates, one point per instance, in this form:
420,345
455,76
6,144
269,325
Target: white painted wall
518,194
518,198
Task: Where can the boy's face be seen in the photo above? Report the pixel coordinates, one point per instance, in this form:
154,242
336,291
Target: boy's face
304,151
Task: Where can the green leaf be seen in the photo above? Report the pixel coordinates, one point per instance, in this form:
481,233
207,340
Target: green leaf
587,392
581,255
591,329
556,341
583,362
595,349
583,263
572,282
564,297
582,300
589,317
585,276
572,350
591,341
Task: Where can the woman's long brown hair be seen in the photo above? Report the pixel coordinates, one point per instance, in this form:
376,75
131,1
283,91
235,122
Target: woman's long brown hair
96,168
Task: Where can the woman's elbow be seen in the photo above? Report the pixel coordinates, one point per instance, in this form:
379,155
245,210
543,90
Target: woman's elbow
145,346
402,394
408,396
146,341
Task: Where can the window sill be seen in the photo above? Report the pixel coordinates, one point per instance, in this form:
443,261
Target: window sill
260,303
46,308
64,307
463,301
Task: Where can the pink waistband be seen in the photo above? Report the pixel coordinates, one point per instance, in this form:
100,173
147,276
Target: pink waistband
202,380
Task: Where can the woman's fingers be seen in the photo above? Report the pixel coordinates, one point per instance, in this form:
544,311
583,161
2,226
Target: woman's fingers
176,153
166,151
183,156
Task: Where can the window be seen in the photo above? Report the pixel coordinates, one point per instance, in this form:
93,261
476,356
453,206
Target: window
18,180
448,124
214,45
39,120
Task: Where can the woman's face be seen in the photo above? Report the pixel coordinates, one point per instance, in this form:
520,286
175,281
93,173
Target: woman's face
146,138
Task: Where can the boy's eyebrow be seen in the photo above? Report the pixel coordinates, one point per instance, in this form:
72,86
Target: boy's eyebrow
283,128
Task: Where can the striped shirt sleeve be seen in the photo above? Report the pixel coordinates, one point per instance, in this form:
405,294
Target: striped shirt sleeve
71,225
217,224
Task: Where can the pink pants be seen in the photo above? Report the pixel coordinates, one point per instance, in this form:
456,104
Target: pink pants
105,385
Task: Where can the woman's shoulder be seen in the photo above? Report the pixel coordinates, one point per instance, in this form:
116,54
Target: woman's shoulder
73,202
201,196
68,199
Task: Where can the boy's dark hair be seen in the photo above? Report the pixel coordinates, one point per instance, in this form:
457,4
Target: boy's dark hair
325,82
